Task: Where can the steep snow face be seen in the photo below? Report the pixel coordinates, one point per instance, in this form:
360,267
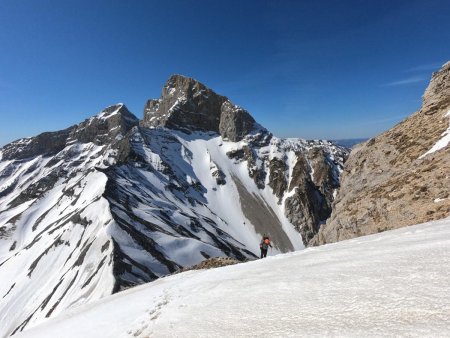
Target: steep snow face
389,284
55,251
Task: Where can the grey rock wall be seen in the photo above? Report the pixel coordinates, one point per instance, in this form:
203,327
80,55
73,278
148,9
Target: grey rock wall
188,105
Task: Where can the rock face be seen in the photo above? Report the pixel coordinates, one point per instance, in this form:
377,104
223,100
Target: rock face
45,144
107,127
188,105
400,177
235,122
316,181
115,202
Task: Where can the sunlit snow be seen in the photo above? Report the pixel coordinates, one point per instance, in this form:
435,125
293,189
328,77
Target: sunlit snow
395,283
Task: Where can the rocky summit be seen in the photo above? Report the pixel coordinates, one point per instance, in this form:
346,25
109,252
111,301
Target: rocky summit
188,105
400,177
115,201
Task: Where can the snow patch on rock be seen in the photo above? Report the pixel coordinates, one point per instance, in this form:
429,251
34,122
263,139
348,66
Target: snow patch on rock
442,143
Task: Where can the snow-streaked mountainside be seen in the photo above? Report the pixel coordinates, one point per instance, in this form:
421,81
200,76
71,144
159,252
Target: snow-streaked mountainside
115,202
395,283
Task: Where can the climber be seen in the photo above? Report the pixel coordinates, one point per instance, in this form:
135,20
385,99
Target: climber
264,245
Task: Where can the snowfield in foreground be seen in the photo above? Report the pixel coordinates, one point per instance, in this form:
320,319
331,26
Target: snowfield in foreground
388,284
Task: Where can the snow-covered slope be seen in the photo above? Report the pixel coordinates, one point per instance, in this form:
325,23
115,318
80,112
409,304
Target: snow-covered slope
56,250
391,284
108,204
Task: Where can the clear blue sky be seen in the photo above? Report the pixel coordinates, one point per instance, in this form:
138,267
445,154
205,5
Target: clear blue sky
312,69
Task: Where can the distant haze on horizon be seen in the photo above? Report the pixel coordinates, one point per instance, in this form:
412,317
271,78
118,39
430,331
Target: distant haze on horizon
316,70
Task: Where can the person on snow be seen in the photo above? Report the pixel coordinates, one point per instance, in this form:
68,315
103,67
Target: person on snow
264,245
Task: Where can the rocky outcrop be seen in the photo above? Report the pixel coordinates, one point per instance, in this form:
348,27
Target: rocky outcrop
188,105
313,184
110,125
235,122
437,94
45,144
400,177
277,177
212,263
185,104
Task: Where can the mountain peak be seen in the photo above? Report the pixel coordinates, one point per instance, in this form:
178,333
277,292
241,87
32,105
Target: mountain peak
188,105
115,108
181,81
111,123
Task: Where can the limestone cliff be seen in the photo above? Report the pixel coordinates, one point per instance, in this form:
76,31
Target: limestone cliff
399,178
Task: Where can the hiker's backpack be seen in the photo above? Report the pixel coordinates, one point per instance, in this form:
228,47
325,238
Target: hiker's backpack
265,243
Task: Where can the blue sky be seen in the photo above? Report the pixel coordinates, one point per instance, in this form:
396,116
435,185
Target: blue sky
312,69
